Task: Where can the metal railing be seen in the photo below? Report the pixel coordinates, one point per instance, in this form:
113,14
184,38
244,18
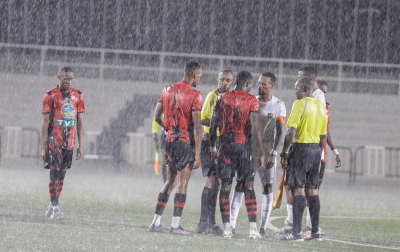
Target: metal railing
166,67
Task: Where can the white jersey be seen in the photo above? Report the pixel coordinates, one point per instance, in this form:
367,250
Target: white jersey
269,112
318,94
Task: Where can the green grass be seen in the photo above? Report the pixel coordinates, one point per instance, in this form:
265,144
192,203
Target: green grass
108,211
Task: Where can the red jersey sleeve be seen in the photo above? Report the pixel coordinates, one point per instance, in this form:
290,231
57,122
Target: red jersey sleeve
197,102
81,105
254,105
47,103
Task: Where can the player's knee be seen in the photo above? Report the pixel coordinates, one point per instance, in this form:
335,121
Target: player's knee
240,187
267,189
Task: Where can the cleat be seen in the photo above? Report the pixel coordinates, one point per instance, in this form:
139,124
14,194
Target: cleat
201,228
254,234
306,231
320,231
49,210
154,228
228,232
178,231
286,229
291,237
215,230
56,215
313,236
262,232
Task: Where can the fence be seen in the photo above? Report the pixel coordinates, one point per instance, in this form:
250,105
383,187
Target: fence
18,142
165,67
367,161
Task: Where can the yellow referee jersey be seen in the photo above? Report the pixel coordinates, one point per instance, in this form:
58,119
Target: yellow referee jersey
207,109
308,117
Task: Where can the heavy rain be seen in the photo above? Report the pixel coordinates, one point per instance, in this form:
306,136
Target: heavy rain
124,52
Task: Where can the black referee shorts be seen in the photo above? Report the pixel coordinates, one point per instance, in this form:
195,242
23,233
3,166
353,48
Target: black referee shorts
207,165
303,166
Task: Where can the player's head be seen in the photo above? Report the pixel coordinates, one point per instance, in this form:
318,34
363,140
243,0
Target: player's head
323,86
225,80
309,71
244,80
266,82
304,87
66,77
193,72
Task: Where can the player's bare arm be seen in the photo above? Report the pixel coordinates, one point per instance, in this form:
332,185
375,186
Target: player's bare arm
45,127
198,133
333,148
254,120
213,133
79,151
286,144
271,157
158,114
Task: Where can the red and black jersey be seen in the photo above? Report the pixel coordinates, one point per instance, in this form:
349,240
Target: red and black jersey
63,107
179,100
234,108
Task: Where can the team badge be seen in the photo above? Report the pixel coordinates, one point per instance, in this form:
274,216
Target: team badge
67,110
270,115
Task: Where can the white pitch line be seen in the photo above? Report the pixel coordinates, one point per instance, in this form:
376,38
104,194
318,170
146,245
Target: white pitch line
362,244
275,229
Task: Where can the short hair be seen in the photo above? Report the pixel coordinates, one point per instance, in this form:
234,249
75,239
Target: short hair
271,76
322,83
191,67
227,71
242,78
306,82
309,70
65,70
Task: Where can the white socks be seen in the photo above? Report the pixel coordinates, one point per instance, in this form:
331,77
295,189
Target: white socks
289,213
157,220
175,221
236,203
266,208
308,218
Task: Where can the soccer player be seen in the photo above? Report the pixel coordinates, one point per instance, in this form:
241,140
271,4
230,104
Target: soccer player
272,112
159,145
323,86
209,195
306,135
181,105
236,114
63,107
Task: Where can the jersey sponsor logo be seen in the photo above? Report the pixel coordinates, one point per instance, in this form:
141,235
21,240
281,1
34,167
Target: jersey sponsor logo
65,123
67,110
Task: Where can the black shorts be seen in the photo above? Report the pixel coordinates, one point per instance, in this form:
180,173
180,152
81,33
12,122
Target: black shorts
235,158
207,165
163,142
303,168
58,158
178,154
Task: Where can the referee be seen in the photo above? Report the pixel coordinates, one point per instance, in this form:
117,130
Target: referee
305,136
